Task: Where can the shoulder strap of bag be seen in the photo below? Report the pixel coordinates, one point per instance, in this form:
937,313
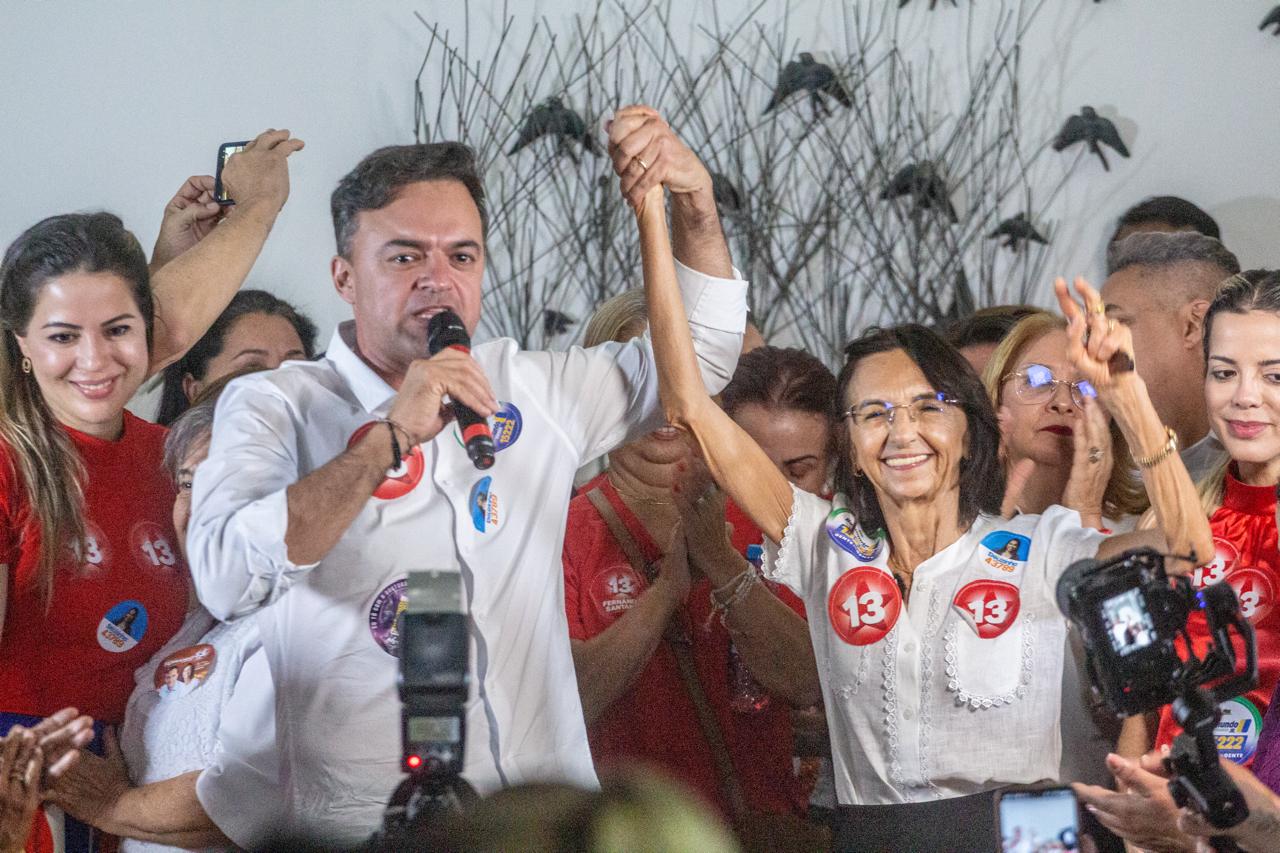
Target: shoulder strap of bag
683,651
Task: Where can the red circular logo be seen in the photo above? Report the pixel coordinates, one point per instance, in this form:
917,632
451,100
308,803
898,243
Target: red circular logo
152,547
988,606
1224,560
615,590
402,480
864,605
1255,592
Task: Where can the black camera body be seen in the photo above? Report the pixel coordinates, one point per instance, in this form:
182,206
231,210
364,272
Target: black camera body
1131,617
1133,622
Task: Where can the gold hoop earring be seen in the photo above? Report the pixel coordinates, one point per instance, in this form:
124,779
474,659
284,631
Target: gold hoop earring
26,364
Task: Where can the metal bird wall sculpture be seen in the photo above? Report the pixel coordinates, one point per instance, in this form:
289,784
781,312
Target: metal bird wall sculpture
727,197
553,118
932,4
1272,20
807,74
555,322
1016,232
1091,128
927,188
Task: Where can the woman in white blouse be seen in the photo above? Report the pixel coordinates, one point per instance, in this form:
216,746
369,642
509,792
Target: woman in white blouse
938,642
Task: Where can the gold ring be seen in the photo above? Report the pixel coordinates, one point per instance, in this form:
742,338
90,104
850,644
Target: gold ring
1099,308
643,164
1111,325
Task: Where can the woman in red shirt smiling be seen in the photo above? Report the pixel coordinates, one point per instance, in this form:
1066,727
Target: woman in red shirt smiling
92,579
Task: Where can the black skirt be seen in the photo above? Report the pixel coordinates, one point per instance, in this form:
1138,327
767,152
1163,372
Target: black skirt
954,825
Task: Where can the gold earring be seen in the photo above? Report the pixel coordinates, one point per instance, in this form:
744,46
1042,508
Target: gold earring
26,364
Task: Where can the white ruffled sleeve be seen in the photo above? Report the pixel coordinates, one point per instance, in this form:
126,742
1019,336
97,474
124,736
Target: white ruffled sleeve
792,561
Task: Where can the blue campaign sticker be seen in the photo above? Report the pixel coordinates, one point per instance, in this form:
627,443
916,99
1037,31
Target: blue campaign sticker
506,426
849,536
484,505
1236,734
123,626
1005,550
384,616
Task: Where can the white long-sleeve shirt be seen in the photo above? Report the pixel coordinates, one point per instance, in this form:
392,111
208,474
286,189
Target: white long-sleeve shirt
327,632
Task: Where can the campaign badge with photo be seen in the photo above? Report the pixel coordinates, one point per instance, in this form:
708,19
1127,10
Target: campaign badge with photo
1236,734
384,616
402,480
989,607
1254,590
152,547
848,536
484,505
863,606
615,590
1224,560
184,670
505,426
1005,551
123,626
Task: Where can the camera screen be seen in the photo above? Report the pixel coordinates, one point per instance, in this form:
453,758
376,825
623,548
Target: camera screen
1038,820
443,729
228,151
1127,621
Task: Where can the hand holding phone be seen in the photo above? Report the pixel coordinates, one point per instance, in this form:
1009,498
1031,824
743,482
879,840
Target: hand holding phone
225,150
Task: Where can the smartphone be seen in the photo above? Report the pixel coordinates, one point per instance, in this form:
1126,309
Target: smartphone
1038,819
225,150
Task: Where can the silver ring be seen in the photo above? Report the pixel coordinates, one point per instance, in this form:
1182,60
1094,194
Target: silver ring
643,164
1095,455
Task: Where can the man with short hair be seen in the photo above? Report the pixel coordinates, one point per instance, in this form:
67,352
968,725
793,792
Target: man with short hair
1161,285
1165,213
301,505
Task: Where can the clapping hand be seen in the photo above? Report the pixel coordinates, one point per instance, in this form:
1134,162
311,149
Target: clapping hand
92,786
21,762
188,218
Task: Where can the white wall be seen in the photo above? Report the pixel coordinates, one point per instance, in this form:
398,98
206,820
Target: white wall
112,104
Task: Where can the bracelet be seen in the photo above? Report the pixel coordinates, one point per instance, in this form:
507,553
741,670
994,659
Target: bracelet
1160,455
738,588
397,456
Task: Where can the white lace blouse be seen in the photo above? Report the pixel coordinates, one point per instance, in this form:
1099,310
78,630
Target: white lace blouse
955,692
172,719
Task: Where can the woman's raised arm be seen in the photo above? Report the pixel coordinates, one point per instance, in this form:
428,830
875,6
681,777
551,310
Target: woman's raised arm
738,464
191,290
1103,351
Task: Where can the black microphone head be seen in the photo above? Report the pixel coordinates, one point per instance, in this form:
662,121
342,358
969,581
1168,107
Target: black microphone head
446,330
480,451
1070,580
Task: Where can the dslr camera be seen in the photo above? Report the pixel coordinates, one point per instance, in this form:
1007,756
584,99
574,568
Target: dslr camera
1133,621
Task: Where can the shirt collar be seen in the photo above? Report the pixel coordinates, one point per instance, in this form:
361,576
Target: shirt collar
370,389
1246,499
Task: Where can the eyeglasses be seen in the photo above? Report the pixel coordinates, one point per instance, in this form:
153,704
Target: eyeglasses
879,414
1036,383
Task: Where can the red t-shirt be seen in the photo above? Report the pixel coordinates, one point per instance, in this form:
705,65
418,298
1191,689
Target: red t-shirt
125,600
1244,531
655,721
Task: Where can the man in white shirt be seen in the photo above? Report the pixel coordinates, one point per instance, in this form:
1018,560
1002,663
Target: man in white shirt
1160,285
296,506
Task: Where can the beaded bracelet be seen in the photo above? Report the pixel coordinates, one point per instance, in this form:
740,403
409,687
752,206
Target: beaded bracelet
738,588
397,456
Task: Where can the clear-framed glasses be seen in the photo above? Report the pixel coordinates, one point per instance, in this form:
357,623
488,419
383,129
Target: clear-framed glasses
1035,383
924,409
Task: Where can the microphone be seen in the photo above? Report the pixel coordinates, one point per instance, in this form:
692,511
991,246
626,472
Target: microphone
445,331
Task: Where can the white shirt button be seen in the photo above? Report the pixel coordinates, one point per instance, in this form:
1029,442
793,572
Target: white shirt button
907,715
909,647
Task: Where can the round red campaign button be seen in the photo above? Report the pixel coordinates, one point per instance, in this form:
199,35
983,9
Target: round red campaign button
1255,592
863,605
988,606
1224,560
402,480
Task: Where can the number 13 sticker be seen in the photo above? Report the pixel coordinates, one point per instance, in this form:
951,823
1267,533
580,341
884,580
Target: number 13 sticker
863,606
989,607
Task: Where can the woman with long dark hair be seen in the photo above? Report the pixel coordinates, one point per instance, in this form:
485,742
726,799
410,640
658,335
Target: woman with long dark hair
939,644
86,537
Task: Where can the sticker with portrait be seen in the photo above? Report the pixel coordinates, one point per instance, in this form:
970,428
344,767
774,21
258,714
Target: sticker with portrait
185,670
